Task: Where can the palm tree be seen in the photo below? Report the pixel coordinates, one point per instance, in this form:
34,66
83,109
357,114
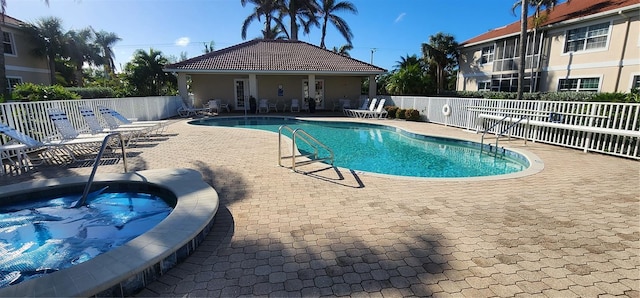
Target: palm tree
3,72
522,46
328,10
266,8
80,51
442,51
343,50
145,73
300,10
276,33
105,40
47,35
408,60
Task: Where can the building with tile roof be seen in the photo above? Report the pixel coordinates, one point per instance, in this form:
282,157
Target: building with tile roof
21,65
579,45
278,70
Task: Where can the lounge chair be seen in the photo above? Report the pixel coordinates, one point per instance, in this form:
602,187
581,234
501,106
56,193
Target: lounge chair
134,132
187,110
115,120
361,113
68,146
295,105
379,112
273,106
364,106
68,134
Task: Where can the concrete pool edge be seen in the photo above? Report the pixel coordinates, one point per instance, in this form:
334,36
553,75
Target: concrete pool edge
128,266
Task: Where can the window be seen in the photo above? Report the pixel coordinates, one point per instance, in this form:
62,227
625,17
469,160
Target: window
579,85
587,38
8,44
635,84
487,55
484,86
12,82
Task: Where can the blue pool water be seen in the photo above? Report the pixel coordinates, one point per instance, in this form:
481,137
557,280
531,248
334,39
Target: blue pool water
44,236
387,150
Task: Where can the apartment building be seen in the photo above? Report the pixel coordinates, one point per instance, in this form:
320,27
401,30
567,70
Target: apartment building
580,45
20,64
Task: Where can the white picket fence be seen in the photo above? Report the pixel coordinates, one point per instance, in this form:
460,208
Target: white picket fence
31,118
580,116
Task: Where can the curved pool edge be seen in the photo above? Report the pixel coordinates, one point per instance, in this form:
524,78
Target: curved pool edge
536,164
126,269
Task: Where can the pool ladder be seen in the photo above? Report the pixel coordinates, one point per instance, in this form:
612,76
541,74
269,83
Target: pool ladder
83,199
498,135
300,134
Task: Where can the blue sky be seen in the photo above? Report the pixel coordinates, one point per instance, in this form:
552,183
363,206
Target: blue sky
394,28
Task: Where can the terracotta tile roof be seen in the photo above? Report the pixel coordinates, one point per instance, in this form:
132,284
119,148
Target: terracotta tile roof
260,55
562,12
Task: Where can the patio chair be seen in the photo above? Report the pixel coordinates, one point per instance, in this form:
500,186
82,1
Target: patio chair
295,105
273,106
67,134
213,106
15,149
263,105
115,120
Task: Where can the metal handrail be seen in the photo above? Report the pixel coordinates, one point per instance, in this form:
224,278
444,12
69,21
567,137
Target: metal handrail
97,163
300,134
501,132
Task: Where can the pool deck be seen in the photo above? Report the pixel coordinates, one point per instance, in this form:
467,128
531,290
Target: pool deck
571,230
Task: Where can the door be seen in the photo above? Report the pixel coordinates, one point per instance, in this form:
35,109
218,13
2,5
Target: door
319,96
241,94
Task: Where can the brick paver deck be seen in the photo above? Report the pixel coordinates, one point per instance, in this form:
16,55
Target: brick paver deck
572,230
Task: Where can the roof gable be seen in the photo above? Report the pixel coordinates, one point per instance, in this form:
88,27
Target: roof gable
562,12
261,55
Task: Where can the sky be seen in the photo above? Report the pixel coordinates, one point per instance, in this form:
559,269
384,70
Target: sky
384,30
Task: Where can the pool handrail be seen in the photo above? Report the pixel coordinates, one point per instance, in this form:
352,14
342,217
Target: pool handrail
295,133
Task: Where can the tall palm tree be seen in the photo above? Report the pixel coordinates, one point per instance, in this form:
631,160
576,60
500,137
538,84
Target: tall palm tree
3,72
343,50
442,51
80,51
328,10
106,40
263,8
47,35
522,46
300,10
276,33
408,60
145,73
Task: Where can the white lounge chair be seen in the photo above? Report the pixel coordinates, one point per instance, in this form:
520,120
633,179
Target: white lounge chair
132,132
187,110
361,113
67,134
115,120
273,105
364,106
379,112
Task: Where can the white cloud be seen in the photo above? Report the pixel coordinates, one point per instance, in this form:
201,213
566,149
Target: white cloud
400,17
182,41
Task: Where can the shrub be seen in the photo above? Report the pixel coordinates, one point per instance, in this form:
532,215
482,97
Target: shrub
401,113
391,111
412,115
93,92
33,92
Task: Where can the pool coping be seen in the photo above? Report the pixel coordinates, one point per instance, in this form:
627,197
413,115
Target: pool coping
536,164
197,204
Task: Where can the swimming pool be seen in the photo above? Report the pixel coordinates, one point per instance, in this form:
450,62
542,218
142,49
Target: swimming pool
387,150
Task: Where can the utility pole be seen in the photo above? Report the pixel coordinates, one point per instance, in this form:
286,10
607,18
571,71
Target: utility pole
373,50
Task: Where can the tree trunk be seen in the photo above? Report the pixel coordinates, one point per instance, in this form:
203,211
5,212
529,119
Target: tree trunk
522,47
324,33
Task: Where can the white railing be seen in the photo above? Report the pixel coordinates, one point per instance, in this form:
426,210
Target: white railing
31,117
600,115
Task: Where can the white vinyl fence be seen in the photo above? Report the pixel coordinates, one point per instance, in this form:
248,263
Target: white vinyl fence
31,117
608,128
